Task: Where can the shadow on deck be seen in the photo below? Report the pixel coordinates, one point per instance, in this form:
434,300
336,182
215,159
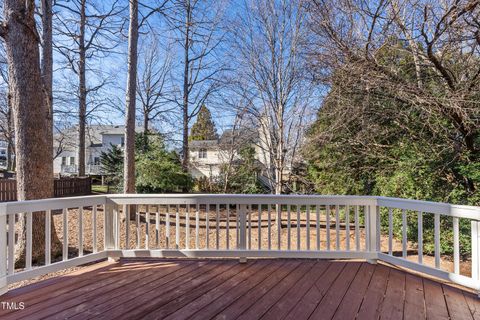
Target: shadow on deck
225,289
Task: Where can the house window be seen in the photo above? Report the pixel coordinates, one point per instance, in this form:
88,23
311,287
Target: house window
96,161
64,161
72,161
122,141
202,153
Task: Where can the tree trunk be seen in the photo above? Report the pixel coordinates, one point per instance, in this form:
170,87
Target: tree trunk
47,77
129,163
186,89
129,153
30,114
47,61
82,92
10,145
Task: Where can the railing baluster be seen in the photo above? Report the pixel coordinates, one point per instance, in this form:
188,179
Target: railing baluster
366,218
118,235
420,237
167,227
279,226
157,227
308,226
28,259
11,244
456,246
337,227
404,233
288,228
80,231
147,227
378,239
65,232
207,225
48,237
269,227
437,240
242,215
177,228
249,212
347,227
139,234
327,210
237,226
187,227
218,225
197,225
298,228
259,227
390,231
126,211
3,255
357,229
228,226
94,222
475,231
317,212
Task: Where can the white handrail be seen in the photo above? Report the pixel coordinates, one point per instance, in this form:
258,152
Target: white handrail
200,225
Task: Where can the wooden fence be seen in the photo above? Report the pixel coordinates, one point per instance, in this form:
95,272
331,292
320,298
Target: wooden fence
63,187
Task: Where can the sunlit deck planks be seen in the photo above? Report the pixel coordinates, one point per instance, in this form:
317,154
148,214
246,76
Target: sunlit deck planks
225,289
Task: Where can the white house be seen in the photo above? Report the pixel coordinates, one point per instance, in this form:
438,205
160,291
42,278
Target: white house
208,156
99,138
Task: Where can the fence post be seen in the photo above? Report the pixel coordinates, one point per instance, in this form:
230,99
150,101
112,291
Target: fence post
476,250
109,228
3,254
374,230
243,231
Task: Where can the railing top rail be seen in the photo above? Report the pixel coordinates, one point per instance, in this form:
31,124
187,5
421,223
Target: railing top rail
461,211
240,199
50,204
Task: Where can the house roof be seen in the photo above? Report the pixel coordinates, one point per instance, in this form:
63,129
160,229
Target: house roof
228,137
198,144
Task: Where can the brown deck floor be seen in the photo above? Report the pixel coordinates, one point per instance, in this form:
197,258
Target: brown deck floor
226,289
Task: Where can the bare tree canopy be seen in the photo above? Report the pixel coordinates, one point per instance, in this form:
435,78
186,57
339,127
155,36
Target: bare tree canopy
268,47
401,69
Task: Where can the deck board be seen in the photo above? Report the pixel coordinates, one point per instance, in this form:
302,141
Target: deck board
225,289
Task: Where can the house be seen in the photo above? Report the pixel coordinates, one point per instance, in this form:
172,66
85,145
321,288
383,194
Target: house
208,156
98,139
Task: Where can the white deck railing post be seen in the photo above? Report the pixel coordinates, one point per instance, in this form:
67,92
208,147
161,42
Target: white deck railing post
109,227
3,254
475,250
373,235
242,243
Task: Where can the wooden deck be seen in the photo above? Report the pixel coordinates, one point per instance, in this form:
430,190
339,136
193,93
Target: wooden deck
226,289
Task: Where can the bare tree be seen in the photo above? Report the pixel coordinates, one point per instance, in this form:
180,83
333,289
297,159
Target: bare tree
199,36
268,47
86,30
154,89
30,114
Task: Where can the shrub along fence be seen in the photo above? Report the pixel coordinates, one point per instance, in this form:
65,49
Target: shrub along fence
63,187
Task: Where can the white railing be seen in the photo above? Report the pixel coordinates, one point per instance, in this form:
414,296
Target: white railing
333,227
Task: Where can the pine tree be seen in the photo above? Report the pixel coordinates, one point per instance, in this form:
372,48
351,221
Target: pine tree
204,128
